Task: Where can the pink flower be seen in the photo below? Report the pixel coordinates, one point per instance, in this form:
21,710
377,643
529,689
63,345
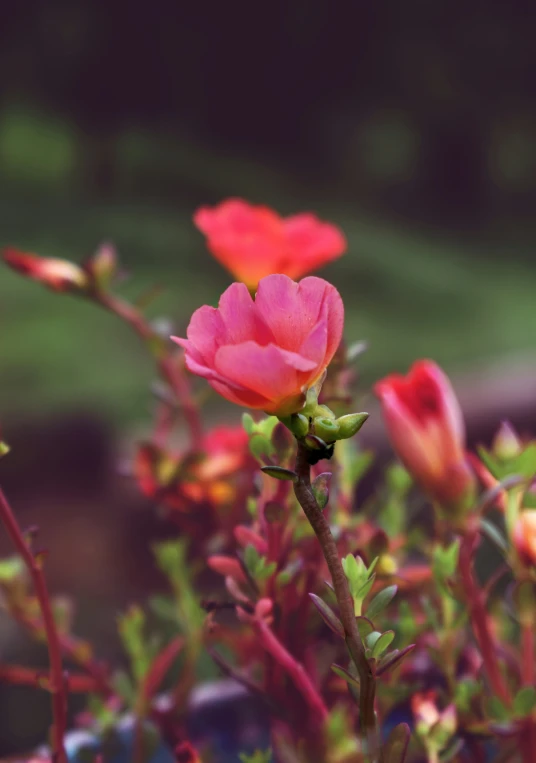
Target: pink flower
266,353
58,275
524,536
253,242
426,428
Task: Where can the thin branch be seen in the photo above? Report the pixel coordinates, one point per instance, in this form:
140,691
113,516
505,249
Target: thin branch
57,681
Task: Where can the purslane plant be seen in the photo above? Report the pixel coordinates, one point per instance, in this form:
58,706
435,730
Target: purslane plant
362,625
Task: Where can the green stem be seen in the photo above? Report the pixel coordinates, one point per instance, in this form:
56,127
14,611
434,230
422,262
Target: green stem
317,520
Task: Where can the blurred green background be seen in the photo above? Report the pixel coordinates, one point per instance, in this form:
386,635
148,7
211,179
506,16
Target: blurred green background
412,128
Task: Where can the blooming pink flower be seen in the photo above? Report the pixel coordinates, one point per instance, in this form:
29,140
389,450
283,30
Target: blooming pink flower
58,275
524,536
426,428
266,353
253,241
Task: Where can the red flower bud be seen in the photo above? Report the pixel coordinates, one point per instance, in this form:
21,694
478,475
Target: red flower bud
426,428
58,275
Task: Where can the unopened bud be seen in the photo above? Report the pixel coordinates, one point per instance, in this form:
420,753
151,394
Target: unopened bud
102,266
58,275
350,424
297,423
506,443
326,429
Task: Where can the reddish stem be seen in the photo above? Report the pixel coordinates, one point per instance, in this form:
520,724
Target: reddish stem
57,683
22,676
73,648
294,669
479,617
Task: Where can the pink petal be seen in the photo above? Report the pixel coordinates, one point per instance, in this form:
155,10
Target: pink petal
315,345
240,317
244,397
310,289
269,370
206,331
293,310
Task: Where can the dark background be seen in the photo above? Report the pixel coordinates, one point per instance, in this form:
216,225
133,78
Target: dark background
411,125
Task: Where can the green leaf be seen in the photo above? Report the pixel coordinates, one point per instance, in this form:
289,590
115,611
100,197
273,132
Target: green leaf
11,568
359,465
279,473
493,534
321,489
452,751
381,601
248,423
131,631
398,480
525,701
266,426
257,565
363,592
328,615
364,626
354,570
396,746
445,561
261,447
466,689
382,643
343,673
171,559
124,687
265,569
496,709
164,607
251,559
4,448
393,659
371,639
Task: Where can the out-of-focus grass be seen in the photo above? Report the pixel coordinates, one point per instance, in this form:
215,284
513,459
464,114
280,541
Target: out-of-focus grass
410,294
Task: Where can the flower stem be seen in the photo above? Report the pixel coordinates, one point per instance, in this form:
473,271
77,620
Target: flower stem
479,617
294,669
317,520
57,682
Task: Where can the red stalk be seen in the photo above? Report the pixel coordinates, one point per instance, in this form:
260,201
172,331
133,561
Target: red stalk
294,669
57,683
479,617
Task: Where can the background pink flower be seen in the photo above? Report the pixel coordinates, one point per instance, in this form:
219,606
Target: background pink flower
426,428
265,353
254,241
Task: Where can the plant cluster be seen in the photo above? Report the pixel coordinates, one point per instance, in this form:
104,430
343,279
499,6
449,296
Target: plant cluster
362,625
